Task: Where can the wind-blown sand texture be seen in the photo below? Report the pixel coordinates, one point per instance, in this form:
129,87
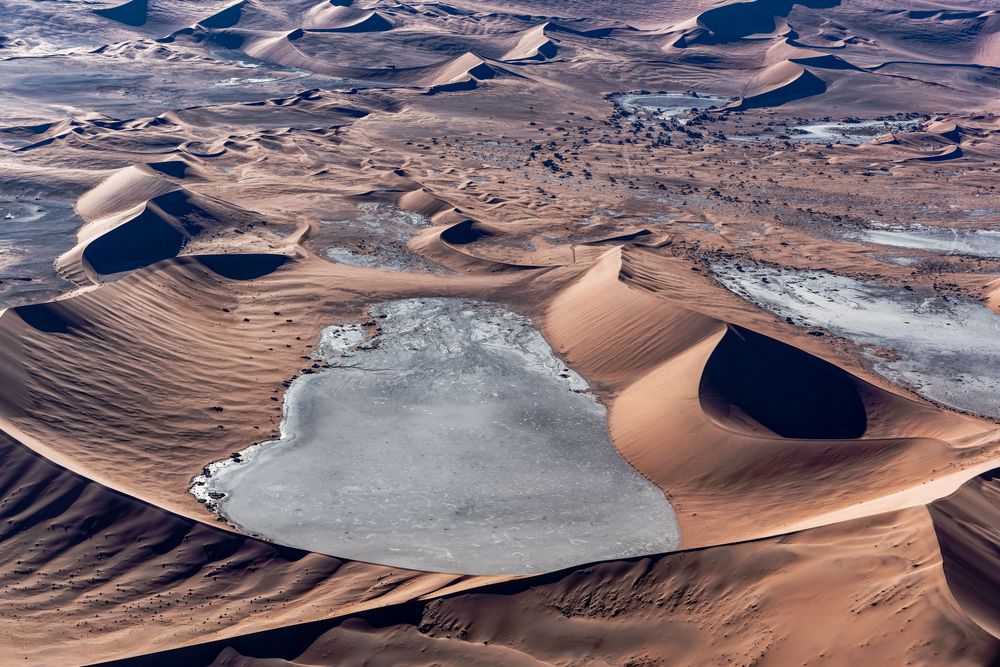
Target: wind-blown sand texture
190,192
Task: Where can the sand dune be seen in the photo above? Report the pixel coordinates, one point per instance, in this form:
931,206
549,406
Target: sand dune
190,192
939,141
690,396
225,18
965,523
533,44
136,218
460,73
685,606
331,16
779,84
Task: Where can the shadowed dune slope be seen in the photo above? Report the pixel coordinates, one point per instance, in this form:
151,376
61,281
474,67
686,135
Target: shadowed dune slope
131,13
789,392
674,389
137,217
780,84
735,604
968,529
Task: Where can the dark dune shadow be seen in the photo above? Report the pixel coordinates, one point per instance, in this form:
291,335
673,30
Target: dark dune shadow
805,85
133,12
48,317
736,20
455,87
466,232
966,527
786,390
174,168
242,267
226,18
143,240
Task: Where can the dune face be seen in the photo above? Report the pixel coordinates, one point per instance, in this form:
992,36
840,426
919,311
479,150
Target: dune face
784,390
541,333
966,527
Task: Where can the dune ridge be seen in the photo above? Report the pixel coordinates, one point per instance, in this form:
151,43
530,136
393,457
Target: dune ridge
190,192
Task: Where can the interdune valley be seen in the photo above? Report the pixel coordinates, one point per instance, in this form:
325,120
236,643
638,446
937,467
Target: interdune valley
533,333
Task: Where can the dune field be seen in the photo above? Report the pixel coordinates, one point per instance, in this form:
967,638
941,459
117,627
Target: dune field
535,332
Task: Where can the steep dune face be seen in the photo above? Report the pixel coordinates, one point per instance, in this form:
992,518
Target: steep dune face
767,385
966,526
142,240
226,18
780,84
533,44
95,562
460,73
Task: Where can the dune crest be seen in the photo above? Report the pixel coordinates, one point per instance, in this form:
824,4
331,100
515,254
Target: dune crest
132,12
533,44
780,84
331,16
758,242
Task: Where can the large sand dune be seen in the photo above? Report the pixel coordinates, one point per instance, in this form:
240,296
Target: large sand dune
191,192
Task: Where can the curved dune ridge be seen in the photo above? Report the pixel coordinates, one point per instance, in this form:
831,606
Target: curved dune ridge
329,15
533,44
780,84
462,72
143,214
635,417
966,527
